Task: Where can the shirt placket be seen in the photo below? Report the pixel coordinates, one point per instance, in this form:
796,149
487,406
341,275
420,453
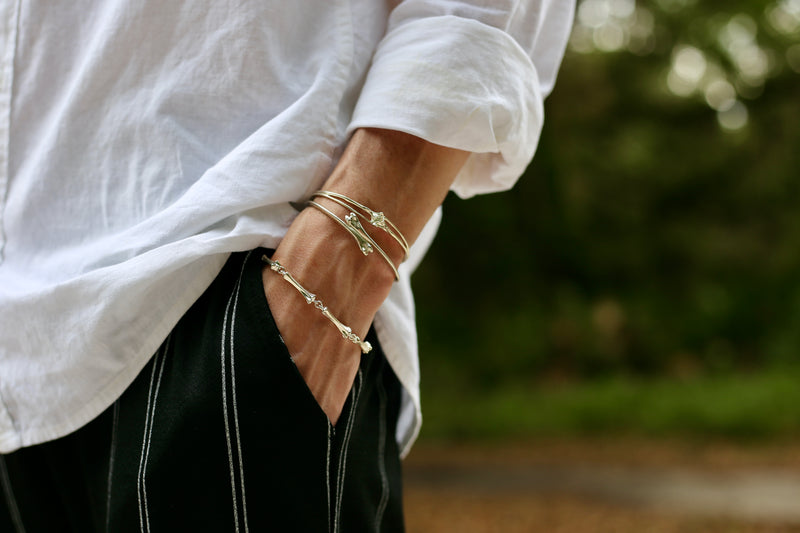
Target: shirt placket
9,13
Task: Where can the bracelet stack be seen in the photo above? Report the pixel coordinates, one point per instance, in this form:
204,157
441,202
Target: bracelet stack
365,243
354,227
377,219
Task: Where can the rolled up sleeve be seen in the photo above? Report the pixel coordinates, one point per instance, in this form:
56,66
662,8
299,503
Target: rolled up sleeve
468,75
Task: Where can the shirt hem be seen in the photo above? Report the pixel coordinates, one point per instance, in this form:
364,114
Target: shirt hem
117,386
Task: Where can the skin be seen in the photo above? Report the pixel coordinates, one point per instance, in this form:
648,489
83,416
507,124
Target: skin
403,176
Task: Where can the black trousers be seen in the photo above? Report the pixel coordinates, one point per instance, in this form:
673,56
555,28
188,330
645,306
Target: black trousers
219,433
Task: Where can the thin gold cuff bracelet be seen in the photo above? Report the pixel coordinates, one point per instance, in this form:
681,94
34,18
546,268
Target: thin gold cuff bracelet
376,218
361,238
311,298
365,243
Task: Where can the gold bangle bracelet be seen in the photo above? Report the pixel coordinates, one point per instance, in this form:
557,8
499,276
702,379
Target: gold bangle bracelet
376,218
365,243
375,221
311,298
362,239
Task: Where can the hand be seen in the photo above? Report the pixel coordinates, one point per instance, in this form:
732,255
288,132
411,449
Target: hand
327,262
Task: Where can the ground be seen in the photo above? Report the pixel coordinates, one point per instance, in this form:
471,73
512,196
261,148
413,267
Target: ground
604,485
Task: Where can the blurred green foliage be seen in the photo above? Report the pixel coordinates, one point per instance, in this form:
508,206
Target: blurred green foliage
732,407
657,231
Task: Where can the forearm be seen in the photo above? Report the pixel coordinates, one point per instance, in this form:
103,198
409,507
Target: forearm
404,177
398,174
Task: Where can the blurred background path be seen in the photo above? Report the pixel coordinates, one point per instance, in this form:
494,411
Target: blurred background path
601,485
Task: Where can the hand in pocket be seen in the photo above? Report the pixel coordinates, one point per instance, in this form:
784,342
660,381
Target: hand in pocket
322,259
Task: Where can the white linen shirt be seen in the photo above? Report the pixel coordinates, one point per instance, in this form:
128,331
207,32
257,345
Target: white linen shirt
141,142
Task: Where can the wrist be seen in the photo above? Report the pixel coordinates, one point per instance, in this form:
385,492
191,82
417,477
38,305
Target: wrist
326,261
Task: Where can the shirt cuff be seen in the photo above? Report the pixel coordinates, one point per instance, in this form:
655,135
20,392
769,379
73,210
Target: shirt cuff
459,83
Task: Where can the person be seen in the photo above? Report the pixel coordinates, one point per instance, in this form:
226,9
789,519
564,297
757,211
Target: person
163,363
